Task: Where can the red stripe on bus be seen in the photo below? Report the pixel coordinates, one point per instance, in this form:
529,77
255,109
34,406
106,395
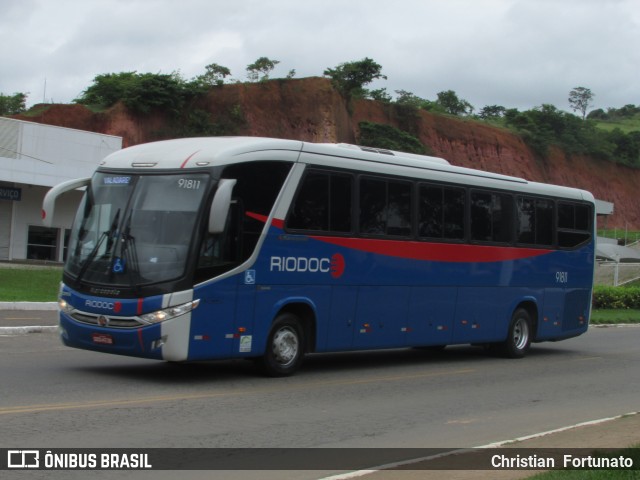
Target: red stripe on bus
184,164
140,339
435,252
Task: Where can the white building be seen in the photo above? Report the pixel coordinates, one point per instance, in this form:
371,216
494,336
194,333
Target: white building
33,158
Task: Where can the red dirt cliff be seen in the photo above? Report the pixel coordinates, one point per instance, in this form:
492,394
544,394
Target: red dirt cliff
310,109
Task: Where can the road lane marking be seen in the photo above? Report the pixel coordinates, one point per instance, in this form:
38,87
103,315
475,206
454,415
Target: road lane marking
18,409
22,318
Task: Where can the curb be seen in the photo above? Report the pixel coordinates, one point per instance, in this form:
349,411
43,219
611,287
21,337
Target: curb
25,306
7,331
28,305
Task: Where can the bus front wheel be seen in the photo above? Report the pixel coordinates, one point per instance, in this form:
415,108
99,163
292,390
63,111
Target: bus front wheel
519,335
285,347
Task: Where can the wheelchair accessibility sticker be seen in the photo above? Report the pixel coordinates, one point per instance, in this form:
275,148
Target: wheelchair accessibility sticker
118,265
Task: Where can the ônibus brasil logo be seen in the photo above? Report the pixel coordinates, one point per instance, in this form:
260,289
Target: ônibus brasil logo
334,265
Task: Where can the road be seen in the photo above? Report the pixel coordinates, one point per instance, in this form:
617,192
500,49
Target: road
56,397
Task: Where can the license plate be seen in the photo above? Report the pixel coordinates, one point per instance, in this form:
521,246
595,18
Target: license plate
102,338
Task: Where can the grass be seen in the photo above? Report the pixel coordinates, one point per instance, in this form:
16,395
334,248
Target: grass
29,284
619,233
623,474
625,124
603,317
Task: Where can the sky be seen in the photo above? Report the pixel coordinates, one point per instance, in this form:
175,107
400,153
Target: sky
514,53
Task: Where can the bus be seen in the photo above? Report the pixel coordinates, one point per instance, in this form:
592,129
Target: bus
269,249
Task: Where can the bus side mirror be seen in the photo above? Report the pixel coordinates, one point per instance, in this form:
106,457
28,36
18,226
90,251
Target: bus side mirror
220,205
49,202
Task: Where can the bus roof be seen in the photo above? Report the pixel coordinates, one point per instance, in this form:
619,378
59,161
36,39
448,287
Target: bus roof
193,152
212,151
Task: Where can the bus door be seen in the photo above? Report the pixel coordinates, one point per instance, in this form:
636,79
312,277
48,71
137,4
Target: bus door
225,314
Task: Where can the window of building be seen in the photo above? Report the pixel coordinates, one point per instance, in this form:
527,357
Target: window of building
42,243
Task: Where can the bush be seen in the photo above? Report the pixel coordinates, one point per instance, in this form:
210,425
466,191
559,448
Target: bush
621,298
140,92
378,135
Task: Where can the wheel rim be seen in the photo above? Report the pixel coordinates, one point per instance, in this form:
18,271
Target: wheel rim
520,333
285,346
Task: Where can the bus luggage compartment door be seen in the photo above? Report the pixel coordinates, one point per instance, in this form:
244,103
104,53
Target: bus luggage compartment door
381,316
430,319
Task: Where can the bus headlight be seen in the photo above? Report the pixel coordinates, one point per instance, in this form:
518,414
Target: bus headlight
169,313
64,306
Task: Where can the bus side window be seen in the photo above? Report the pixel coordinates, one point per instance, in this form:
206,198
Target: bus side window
385,207
323,203
534,221
574,224
441,212
491,217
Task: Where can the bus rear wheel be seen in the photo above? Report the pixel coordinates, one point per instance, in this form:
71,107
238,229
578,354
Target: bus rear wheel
285,347
519,335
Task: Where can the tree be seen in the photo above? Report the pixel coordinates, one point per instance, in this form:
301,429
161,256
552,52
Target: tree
453,105
380,95
492,111
580,99
263,66
214,75
13,104
408,99
349,78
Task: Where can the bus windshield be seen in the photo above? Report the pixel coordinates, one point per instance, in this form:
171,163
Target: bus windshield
135,229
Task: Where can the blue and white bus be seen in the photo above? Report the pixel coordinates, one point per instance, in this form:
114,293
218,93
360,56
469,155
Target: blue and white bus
218,248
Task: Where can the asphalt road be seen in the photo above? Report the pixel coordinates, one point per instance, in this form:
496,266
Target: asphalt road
56,397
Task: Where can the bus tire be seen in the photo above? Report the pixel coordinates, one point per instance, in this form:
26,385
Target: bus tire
285,347
519,335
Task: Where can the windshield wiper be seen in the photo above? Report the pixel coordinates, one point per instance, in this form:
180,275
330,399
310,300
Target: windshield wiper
107,234
129,253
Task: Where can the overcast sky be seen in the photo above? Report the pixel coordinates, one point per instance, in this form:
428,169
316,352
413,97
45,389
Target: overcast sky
514,53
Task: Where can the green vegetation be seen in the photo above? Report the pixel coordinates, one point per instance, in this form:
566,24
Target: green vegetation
612,317
29,284
632,452
580,100
619,233
546,125
627,297
349,78
385,136
611,135
260,69
13,104
140,92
